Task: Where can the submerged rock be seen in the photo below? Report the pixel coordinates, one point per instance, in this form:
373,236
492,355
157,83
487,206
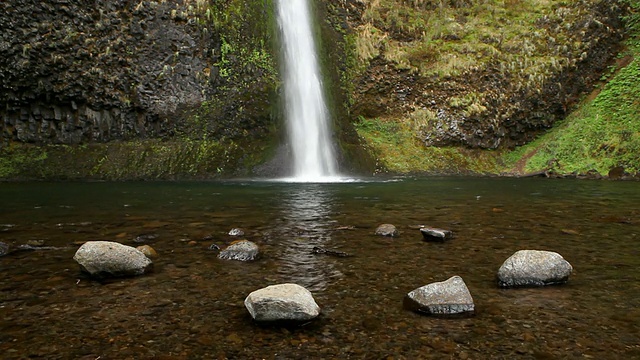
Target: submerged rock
148,251
321,250
145,238
106,258
433,234
387,230
450,297
243,250
4,249
534,268
283,302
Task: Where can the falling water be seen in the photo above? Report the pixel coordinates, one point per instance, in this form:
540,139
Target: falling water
306,112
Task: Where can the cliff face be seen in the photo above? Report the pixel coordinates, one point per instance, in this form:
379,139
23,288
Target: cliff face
95,71
478,74
204,74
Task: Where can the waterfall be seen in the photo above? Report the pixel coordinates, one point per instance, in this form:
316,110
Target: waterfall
306,113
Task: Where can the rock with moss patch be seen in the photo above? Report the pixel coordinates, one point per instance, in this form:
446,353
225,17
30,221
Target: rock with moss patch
531,268
243,250
111,259
282,303
445,298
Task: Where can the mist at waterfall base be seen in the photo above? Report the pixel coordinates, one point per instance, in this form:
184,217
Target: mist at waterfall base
308,122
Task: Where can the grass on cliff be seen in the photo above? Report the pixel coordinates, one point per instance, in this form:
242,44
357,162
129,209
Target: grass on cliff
396,149
524,39
604,132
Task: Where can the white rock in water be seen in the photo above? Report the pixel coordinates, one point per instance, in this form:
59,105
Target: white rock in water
106,258
283,302
450,297
236,232
243,250
534,268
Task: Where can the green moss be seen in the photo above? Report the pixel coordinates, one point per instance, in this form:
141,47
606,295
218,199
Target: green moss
602,133
13,163
397,150
134,160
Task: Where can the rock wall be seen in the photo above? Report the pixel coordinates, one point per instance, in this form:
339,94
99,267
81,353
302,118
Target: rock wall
95,71
502,89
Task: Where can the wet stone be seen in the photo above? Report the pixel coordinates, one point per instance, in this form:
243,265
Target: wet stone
445,298
282,303
242,250
236,232
433,234
107,259
145,238
531,268
148,251
387,230
4,249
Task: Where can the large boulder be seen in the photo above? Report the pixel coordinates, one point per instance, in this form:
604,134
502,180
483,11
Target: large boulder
387,230
534,268
283,302
106,259
243,250
445,298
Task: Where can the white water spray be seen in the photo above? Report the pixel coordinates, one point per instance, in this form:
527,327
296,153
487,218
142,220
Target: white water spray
306,112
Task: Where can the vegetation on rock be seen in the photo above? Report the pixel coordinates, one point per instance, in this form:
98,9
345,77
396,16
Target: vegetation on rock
605,131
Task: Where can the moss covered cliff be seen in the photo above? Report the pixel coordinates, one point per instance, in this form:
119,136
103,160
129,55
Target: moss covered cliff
189,89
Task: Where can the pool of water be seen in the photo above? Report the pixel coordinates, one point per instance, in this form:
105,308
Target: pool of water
191,306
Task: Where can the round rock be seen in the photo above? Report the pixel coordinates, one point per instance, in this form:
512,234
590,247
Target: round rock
243,250
534,268
148,251
445,298
106,258
282,303
387,230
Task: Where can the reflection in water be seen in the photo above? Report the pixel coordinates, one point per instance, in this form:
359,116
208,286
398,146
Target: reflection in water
307,223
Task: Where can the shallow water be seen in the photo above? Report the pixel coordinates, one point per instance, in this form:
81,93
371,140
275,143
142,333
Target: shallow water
191,306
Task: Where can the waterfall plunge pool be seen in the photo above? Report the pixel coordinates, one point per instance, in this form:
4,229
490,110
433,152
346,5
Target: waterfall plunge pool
191,306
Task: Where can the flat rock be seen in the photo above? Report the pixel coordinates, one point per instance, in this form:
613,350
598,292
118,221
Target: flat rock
106,259
243,250
433,234
530,268
445,298
282,303
387,230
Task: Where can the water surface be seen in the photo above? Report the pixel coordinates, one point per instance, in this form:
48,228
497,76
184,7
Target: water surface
191,306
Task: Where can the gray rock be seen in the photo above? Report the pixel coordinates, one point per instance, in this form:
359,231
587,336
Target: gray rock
283,302
387,230
446,298
106,258
242,250
534,268
236,232
433,234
